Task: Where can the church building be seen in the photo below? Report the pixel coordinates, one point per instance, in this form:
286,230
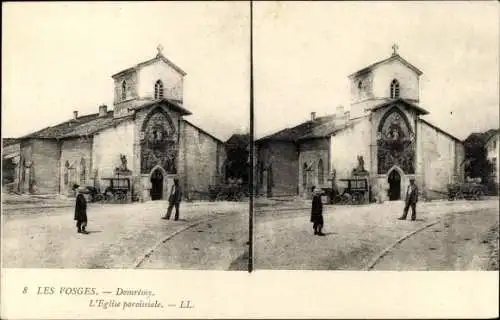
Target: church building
383,130
144,139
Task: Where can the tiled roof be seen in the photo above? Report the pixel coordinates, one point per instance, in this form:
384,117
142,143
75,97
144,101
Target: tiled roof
294,133
328,128
9,141
92,123
391,58
82,126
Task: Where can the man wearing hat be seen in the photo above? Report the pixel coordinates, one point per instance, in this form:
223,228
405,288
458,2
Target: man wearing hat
174,200
80,210
411,201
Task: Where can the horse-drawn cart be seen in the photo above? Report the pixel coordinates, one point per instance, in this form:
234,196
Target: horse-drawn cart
465,190
355,192
117,190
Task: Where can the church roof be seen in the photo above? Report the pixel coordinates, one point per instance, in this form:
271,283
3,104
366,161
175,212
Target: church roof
393,57
440,130
401,101
82,126
328,128
294,133
159,57
90,124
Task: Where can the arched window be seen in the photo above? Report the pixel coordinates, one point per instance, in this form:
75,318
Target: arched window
304,175
394,89
360,85
66,174
159,90
124,90
83,171
321,172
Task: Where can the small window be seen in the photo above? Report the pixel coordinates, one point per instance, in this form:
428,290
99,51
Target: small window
394,89
159,89
124,90
360,85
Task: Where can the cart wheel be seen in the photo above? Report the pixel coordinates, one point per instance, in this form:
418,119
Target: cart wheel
478,194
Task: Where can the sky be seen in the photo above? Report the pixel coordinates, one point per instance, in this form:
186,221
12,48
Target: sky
303,53
59,57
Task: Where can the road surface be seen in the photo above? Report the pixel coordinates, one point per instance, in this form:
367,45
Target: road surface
121,235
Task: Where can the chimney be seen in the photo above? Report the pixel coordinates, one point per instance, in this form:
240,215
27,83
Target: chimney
103,110
313,116
75,114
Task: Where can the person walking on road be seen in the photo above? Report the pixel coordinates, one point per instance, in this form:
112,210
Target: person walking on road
174,200
80,210
317,212
411,201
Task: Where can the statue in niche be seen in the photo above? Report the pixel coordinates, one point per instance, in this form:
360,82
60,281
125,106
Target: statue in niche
395,144
160,145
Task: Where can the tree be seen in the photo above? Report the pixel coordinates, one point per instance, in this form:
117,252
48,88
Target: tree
237,166
476,163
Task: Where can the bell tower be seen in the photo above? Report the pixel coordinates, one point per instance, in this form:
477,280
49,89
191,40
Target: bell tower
383,81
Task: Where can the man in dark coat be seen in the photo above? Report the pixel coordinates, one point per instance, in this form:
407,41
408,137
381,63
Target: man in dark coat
317,212
80,210
411,201
174,200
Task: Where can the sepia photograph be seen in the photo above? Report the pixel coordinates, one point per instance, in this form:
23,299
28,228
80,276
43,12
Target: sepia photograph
382,151
125,135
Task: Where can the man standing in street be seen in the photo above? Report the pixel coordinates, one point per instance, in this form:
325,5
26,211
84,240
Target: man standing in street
80,210
411,201
174,200
317,212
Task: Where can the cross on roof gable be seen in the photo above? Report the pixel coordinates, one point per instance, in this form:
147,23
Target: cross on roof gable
393,57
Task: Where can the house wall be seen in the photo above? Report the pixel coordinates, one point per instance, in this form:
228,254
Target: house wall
45,167
280,159
492,153
311,152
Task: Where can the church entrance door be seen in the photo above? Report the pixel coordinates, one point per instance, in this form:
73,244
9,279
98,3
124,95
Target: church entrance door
394,180
156,185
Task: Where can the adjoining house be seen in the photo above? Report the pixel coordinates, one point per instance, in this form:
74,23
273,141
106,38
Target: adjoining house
144,138
384,127
492,146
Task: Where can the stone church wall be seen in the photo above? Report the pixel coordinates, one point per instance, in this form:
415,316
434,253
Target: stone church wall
347,145
200,162
72,152
407,78
172,81
438,160
311,152
283,158
107,147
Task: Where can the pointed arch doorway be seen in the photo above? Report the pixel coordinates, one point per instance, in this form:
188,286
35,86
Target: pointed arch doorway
156,184
394,180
